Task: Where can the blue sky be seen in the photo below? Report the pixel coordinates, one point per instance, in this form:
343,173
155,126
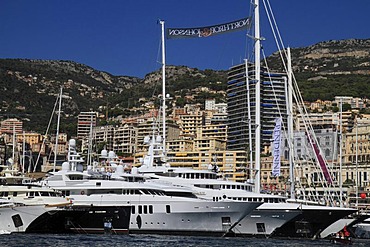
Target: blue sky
122,37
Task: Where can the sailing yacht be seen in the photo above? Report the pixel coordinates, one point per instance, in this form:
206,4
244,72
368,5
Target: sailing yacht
263,221
275,216
314,218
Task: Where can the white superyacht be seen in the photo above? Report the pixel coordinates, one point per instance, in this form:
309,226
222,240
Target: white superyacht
21,205
154,208
275,217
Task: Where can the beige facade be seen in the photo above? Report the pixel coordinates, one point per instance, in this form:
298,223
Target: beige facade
212,131
86,121
190,123
356,156
232,164
179,145
30,137
11,125
125,138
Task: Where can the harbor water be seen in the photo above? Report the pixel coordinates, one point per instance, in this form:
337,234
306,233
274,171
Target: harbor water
15,240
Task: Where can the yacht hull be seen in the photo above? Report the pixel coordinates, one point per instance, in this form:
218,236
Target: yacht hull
263,223
18,218
312,221
177,216
84,219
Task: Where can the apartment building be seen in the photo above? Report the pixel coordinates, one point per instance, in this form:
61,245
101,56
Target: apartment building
86,121
273,105
125,139
104,135
11,125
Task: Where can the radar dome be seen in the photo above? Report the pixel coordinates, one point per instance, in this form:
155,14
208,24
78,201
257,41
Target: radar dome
72,143
134,170
65,166
146,140
111,154
104,153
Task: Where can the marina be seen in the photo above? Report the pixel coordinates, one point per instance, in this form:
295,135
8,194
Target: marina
255,171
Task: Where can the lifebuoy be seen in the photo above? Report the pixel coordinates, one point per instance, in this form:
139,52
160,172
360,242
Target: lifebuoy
82,192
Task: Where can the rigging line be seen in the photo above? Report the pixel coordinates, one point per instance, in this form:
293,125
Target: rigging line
249,30
309,129
159,51
275,24
274,34
272,84
47,130
317,168
301,108
158,61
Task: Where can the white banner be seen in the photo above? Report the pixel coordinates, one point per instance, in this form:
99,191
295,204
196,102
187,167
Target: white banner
276,151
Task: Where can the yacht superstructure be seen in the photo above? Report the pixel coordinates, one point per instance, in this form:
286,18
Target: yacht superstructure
155,208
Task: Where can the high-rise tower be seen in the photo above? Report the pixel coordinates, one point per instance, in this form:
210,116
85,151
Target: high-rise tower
273,105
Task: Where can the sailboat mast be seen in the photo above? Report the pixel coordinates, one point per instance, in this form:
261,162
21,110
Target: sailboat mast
23,152
257,54
340,152
57,134
163,89
250,151
290,125
13,153
89,150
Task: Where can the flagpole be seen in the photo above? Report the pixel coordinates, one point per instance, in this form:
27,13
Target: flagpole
163,89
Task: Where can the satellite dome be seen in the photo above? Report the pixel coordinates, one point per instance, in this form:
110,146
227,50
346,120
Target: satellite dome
111,154
134,170
65,166
72,143
146,140
104,153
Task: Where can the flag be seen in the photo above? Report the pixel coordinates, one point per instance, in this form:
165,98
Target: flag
198,32
322,163
276,150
